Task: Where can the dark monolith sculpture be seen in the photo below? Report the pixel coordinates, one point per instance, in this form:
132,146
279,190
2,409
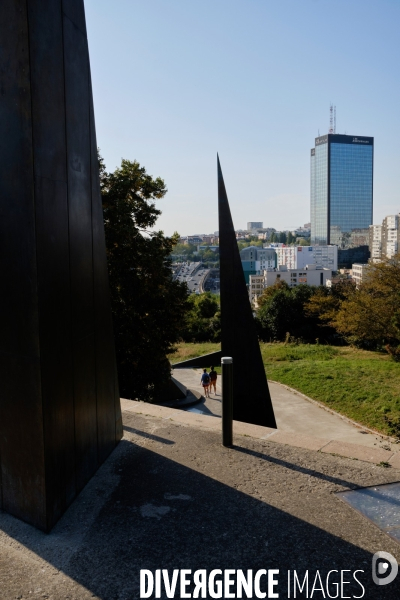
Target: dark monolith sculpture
60,413
251,397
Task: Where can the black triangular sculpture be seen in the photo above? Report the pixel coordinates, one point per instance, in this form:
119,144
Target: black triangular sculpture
205,361
251,397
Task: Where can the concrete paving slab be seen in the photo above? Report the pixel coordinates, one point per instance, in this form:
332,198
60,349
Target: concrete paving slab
181,416
298,440
146,409
395,460
374,455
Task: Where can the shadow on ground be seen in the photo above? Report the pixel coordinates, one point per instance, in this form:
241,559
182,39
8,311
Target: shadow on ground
148,511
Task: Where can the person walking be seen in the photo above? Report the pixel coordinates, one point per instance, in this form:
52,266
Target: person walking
213,380
205,382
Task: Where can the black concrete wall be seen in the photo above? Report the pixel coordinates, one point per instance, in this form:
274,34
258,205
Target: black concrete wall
59,406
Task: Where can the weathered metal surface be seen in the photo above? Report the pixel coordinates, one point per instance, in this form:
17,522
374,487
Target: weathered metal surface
109,420
59,407
51,207
21,448
77,90
251,397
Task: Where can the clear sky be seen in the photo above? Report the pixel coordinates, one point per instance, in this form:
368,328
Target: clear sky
176,81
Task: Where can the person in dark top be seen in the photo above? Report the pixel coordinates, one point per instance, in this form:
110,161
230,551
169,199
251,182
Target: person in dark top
213,380
205,382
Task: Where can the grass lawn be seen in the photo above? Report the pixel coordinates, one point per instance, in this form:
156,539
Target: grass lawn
362,385
186,351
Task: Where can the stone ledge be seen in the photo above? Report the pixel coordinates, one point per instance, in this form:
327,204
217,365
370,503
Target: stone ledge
345,449
298,440
145,408
395,460
374,455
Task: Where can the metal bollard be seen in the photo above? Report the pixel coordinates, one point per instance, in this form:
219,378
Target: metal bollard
227,401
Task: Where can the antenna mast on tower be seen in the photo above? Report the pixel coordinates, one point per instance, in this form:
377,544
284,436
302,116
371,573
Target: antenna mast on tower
332,119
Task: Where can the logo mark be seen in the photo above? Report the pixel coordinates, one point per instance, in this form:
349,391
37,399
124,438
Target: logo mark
384,568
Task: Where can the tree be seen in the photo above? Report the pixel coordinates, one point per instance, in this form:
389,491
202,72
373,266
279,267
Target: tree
183,252
324,305
148,306
290,238
282,237
282,311
370,317
203,320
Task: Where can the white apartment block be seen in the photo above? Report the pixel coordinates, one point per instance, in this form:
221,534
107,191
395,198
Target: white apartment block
390,236
298,257
256,287
384,240
359,271
310,276
375,242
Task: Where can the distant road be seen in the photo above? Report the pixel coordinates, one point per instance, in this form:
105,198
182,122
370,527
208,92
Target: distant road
193,274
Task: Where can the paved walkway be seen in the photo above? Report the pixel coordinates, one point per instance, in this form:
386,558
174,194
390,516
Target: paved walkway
293,413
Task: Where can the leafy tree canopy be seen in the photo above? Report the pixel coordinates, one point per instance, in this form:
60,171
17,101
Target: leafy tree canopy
203,320
370,316
282,315
148,306
253,241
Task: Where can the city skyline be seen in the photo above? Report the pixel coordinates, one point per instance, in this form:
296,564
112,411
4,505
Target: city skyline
177,82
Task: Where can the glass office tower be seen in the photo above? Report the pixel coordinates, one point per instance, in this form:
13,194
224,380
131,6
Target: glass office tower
341,190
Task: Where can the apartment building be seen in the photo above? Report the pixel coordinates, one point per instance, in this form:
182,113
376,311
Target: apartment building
390,236
359,272
312,275
298,257
384,240
255,259
375,242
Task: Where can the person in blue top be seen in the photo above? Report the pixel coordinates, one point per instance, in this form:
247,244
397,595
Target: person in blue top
205,382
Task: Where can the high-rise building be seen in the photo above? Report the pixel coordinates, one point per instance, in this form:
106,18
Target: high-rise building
341,190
